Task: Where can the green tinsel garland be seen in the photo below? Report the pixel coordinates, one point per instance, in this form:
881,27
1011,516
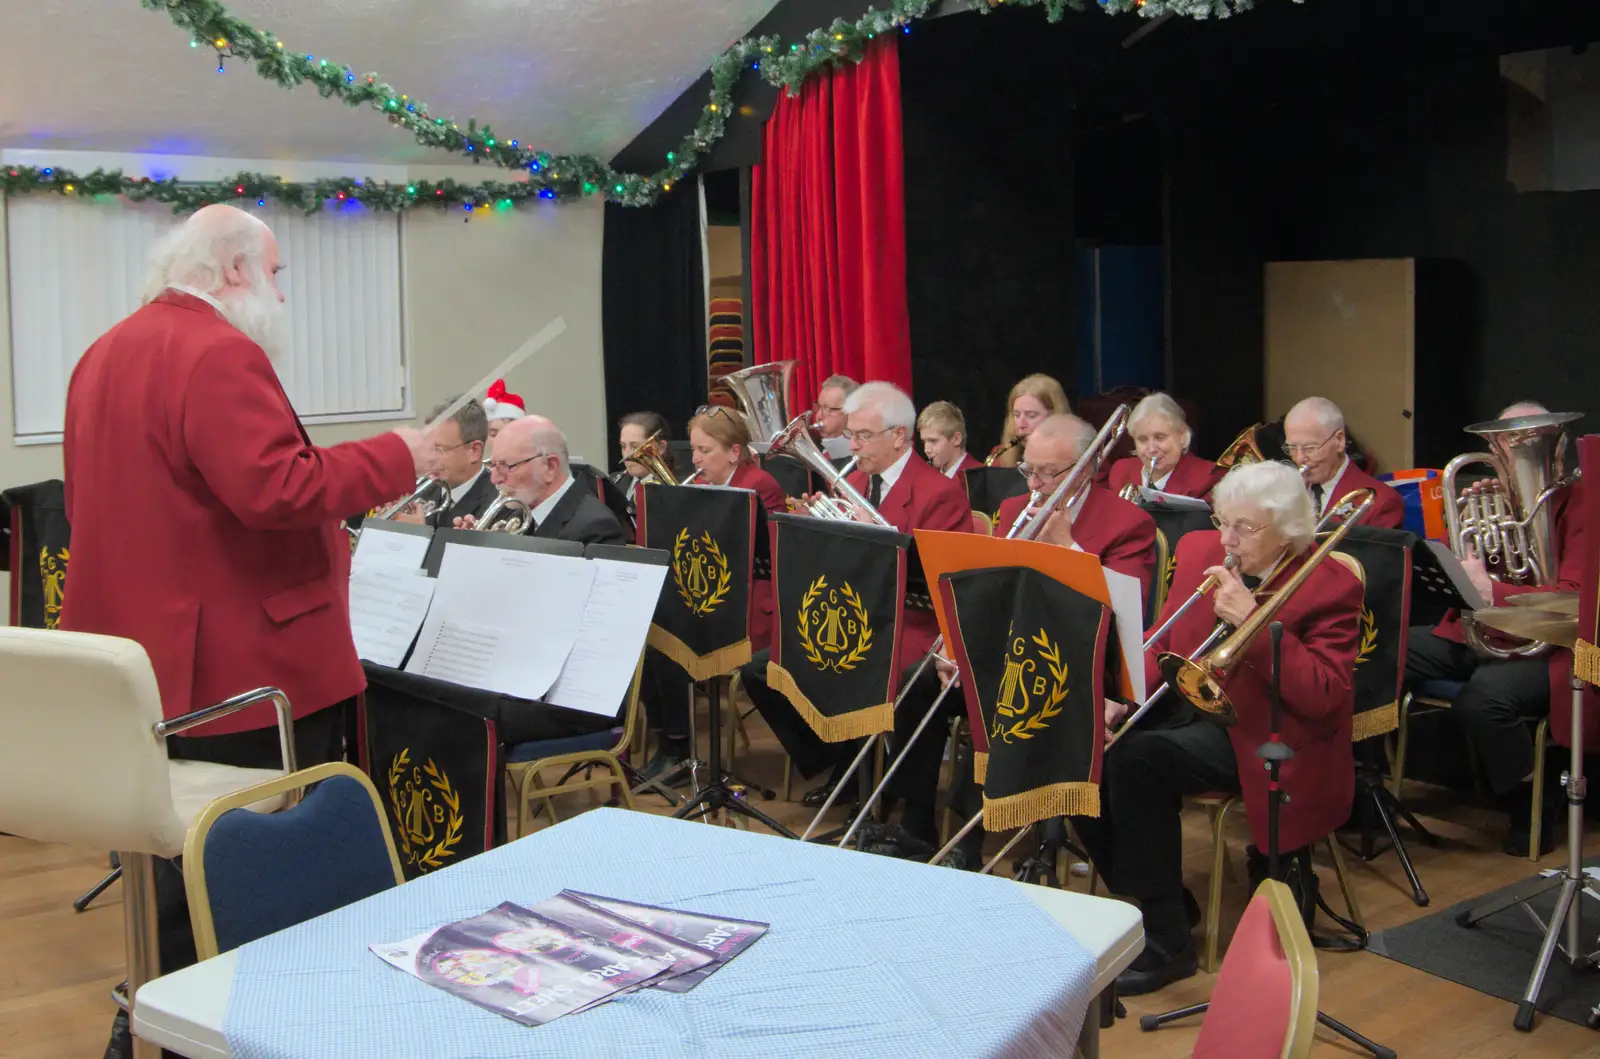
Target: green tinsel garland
544,175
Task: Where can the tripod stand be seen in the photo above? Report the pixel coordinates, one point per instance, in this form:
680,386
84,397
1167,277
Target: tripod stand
1274,752
720,790
1565,926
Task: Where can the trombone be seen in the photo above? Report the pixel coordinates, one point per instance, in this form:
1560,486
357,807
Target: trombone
1201,670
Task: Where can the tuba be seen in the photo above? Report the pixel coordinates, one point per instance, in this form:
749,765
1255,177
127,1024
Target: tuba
1075,486
1507,520
652,456
515,512
763,396
795,440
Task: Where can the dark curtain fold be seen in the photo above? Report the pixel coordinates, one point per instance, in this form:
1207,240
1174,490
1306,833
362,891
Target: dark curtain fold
828,229
653,311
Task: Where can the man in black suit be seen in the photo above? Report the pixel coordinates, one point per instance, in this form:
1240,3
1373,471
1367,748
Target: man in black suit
531,465
458,444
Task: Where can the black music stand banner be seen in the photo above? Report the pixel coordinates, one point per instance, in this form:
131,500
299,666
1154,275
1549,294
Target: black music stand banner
839,589
1173,523
432,748
40,539
1380,666
1586,653
1030,650
702,620
989,487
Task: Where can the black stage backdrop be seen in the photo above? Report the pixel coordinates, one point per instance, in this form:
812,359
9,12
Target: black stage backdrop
653,311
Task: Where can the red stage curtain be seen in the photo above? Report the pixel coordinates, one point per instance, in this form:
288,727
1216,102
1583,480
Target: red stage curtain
828,246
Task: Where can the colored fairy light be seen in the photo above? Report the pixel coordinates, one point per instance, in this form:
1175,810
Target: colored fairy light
261,202
546,193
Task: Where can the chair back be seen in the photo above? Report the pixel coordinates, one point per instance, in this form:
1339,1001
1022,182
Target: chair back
80,762
1161,581
982,523
250,874
1264,1005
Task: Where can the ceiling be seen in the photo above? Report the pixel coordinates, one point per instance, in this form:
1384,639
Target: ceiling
581,76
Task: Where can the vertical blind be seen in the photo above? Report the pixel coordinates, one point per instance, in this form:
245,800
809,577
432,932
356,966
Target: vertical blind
76,268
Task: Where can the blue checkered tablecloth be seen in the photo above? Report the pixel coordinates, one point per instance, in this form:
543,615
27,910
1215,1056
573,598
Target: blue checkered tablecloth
867,956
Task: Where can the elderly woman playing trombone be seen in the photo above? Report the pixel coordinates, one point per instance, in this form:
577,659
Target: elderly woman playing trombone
1265,524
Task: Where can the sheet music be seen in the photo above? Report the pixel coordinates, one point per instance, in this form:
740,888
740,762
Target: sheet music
1127,607
503,620
387,607
1172,500
1458,575
379,547
615,623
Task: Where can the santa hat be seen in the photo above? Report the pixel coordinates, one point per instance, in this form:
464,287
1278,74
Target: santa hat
498,404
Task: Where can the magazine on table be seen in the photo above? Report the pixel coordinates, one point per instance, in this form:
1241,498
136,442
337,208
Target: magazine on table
723,937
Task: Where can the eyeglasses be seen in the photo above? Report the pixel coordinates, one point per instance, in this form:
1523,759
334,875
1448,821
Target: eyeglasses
506,468
865,436
1243,529
1291,450
1044,474
830,409
440,450
713,409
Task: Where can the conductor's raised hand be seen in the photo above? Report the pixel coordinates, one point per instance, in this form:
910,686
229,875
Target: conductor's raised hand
424,459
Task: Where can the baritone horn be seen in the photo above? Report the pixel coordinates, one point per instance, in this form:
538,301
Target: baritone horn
1507,520
795,440
763,396
1201,679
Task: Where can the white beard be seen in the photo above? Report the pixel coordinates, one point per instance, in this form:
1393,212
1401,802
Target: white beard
259,316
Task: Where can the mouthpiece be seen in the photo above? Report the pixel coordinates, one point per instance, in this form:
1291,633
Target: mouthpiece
1230,561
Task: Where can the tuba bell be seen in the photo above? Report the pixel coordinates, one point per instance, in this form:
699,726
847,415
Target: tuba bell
795,440
763,396
1507,520
506,515
1243,450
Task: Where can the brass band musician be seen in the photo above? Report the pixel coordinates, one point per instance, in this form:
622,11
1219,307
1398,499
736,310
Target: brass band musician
830,414
1032,400
1314,438
943,430
531,465
1162,460
633,430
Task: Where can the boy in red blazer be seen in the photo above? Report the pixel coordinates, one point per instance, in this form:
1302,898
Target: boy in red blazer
943,430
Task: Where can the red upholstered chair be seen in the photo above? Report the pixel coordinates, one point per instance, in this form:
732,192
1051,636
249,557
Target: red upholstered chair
1264,1005
982,524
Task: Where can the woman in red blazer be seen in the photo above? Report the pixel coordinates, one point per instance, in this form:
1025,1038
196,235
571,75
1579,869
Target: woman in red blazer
1266,520
1160,432
720,443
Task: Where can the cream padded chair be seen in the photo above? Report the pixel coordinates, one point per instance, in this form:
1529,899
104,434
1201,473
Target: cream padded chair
79,706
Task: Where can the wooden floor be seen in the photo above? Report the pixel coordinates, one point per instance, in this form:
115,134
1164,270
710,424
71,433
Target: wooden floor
60,966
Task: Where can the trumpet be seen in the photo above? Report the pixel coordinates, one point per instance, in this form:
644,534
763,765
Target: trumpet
1131,492
795,440
1003,449
515,511
652,457
1200,679
431,493
1075,486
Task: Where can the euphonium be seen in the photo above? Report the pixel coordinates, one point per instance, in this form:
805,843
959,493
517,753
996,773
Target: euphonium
1075,486
795,440
763,396
1003,449
515,511
1200,679
652,457
1508,521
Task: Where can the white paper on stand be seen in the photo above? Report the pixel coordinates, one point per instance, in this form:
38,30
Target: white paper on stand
379,546
1458,575
1127,607
615,624
1172,500
503,620
387,607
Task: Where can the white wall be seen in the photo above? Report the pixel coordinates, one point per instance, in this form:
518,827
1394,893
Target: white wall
474,291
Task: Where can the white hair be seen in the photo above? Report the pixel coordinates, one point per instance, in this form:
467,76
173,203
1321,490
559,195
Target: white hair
1522,408
1159,404
1277,489
888,400
195,253
1065,427
1326,412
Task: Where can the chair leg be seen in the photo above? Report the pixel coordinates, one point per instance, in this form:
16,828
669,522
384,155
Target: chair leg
1536,824
619,780
1219,858
788,778
1397,766
97,889
1343,875
538,792
140,933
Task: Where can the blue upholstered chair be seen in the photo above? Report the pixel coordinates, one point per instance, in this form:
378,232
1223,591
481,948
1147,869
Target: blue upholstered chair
250,874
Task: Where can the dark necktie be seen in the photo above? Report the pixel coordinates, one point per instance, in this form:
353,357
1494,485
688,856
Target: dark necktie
875,491
1252,583
1316,497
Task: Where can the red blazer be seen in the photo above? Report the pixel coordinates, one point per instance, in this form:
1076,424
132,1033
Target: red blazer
773,499
1191,477
1571,534
1388,510
968,462
1121,534
921,498
205,523
1321,630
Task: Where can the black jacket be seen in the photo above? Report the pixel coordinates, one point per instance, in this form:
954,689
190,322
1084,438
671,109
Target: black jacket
474,502
581,516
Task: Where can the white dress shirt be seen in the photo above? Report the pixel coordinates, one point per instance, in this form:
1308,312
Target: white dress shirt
461,490
542,512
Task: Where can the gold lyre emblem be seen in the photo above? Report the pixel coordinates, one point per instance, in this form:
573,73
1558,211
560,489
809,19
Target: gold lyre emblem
700,571
53,573
427,811
1033,687
834,627
1369,636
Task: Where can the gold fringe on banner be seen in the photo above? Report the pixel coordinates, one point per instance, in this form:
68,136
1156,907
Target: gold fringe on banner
1586,661
869,720
980,766
1042,803
699,667
1369,723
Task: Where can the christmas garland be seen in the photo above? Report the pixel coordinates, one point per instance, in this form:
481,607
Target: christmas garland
541,174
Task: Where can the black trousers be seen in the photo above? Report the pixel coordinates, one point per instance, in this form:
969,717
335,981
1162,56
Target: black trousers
664,688
1137,840
1494,706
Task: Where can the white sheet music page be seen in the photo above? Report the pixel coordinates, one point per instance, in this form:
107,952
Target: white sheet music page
503,620
1127,606
1172,500
380,546
387,607
615,624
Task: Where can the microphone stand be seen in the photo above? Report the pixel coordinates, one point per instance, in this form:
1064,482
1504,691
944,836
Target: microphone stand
1274,752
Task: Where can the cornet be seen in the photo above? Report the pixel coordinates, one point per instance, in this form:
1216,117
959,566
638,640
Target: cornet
431,493
1131,492
515,511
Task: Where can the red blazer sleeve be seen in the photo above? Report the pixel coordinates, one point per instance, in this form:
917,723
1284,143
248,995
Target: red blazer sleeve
242,436
773,498
946,509
1388,510
1571,537
1319,651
